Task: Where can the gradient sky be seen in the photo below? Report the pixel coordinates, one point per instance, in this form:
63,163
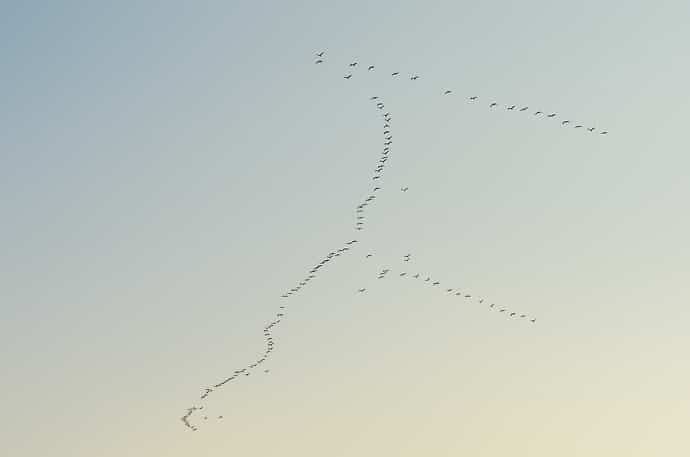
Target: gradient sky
169,168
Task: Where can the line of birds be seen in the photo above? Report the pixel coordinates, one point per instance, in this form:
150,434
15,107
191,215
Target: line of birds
381,165
268,337
449,291
493,104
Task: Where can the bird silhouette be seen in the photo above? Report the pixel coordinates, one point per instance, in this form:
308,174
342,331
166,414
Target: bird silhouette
371,67
551,115
565,122
319,61
415,77
524,109
473,98
510,108
493,105
447,92
537,113
396,73
320,54
348,76
353,64
603,133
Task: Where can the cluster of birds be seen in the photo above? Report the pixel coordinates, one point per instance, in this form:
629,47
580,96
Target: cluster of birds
474,98
360,215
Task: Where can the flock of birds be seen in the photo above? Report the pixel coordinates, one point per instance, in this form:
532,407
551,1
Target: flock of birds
360,212
475,98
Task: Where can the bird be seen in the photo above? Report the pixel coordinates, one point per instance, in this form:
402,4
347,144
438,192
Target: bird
403,273
524,108
473,98
376,188
374,98
266,371
603,133
319,61
395,73
353,64
220,417
371,67
369,255
512,314
493,104
565,122
404,189
551,115
449,290
537,113
447,92
416,276
348,76
533,320
415,77
510,108
578,127
362,290
435,283
591,129
320,54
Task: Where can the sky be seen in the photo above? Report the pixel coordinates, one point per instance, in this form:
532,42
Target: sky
169,169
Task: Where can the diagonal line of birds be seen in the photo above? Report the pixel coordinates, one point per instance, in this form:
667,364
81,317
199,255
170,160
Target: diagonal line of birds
360,212
430,281
492,104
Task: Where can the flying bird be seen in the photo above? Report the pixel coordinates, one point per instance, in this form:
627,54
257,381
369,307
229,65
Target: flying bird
353,64
603,133
396,73
538,113
319,61
447,92
404,189
524,109
551,115
348,76
320,54
415,77
510,108
371,67
565,122
591,129
473,98
361,290
493,105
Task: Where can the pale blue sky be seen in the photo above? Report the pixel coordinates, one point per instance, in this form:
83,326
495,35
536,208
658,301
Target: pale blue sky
170,168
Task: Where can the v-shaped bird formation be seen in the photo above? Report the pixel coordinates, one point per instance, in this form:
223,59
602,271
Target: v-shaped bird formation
362,209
